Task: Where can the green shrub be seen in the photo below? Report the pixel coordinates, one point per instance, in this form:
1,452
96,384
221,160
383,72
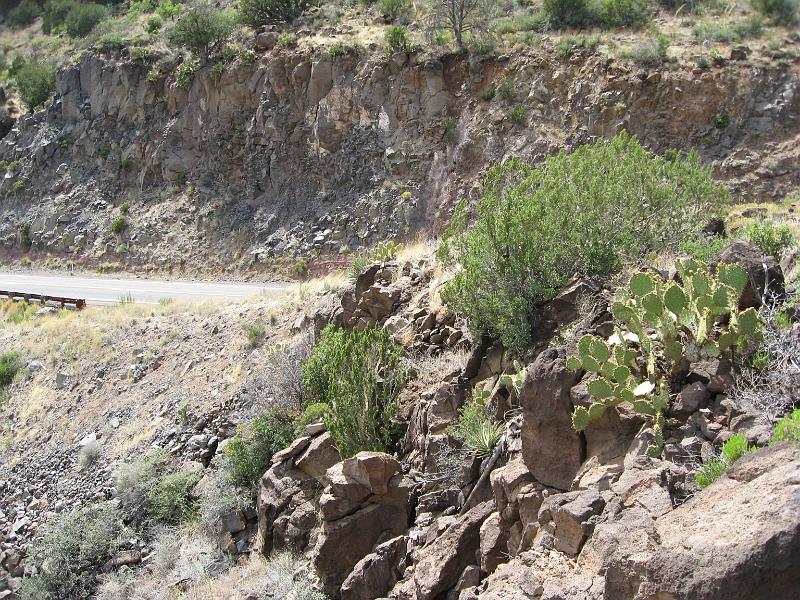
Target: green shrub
489,93
313,413
780,11
392,10
709,473
397,39
134,482
590,211
787,429
727,33
286,40
518,114
139,7
248,455
476,428
256,332
650,52
623,13
359,374
567,13
732,450
153,24
357,267
506,90
703,247
449,131
9,365
72,545
169,501
569,43
83,18
184,75
772,238
22,15
169,10
36,81
119,224
202,30
721,120
258,13
55,14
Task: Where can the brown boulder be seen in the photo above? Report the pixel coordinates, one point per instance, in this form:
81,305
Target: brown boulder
551,449
441,563
376,573
764,274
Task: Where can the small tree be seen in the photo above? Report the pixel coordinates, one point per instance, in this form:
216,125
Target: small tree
566,13
202,30
460,17
36,81
258,13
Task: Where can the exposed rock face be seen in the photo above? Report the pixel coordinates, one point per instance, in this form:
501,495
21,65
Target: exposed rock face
376,573
364,504
552,450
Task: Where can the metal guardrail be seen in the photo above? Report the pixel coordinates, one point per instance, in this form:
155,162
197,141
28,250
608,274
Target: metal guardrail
43,299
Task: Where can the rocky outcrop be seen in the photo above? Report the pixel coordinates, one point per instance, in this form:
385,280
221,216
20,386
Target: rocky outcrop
365,503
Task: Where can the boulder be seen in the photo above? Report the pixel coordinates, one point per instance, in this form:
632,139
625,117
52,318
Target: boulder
551,449
764,273
441,563
319,456
568,516
376,573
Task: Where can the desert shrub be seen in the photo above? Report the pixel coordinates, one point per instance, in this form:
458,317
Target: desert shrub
168,9
650,52
393,9
89,455
360,375
202,30
590,212
83,18
248,455
283,374
569,43
138,7
258,13
449,135
489,93
286,40
71,544
397,39
255,332
36,81
22,15
476,428
787,429
9,365
134,482
55,14
313,413
153,24
169,501
727,32
518,114
780,11
357,267
732,450
567,13
702,247
507,90
119,224
184,75
623,13
772,238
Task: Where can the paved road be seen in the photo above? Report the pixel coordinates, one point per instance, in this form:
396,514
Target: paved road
104,291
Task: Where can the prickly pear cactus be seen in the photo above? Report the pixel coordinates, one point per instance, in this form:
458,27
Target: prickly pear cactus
664,324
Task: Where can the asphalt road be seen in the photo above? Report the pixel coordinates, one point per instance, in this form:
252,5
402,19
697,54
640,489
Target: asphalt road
105,291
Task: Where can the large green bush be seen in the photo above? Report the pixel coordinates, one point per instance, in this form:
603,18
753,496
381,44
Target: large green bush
248,455
55,14
36,81
359,375
258,13
202,30
780,11
83,18
623,13
590,212
71,545
169,499
772,238
567,13
23,14
9,365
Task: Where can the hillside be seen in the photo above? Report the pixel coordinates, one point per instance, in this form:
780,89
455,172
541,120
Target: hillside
540,339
